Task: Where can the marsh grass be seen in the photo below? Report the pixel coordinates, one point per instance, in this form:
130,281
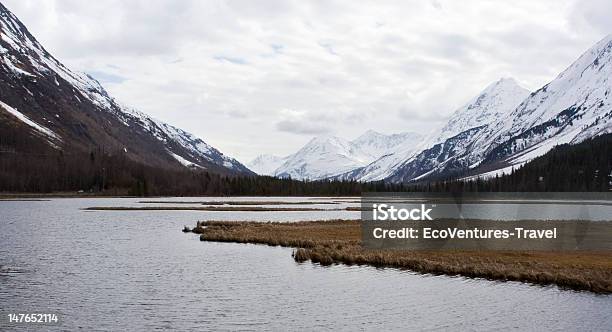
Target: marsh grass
339,241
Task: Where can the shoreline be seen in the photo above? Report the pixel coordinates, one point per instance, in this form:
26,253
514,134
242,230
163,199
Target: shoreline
339,242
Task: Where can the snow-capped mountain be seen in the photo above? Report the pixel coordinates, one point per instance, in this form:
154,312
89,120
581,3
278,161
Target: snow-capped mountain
187,149
323,157
378,145
504,126
384,166
575,106
71,110
495,101
266,164
328,156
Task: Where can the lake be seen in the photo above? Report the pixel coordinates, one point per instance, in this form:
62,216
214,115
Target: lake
136,270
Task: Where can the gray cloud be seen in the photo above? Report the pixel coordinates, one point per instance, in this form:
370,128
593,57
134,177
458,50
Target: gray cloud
419,116
300,127
593,15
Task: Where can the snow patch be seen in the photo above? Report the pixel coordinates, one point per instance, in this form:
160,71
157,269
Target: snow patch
184,161
44,130
543,147
498,172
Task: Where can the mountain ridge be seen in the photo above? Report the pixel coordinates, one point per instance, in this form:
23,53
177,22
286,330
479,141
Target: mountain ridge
322,157
83,116
499,97
343,155
574,106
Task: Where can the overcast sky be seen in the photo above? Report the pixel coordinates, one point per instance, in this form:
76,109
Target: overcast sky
253,77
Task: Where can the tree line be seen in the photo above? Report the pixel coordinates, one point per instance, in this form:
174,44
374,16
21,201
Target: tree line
583,167
115,174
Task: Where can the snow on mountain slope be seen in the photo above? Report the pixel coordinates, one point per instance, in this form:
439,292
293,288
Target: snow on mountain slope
378,145
505,126
323,157
585,84
387,162
575,106
266,164
195,149
19,39
496,100
75,107
329,156
41,129
443,157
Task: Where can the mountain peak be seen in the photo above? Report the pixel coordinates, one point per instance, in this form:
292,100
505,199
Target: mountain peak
495,101
328,143
370,133
322,157
327,139
502,85
497,92
507,79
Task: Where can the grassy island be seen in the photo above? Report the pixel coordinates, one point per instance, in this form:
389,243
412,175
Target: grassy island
339,242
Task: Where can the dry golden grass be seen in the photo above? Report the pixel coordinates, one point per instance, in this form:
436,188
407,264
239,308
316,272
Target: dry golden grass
339,241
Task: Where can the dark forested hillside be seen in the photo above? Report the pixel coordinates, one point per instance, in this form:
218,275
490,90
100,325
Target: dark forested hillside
582,167
30,167
44,103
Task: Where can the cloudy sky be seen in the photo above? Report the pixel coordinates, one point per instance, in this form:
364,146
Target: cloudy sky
255,77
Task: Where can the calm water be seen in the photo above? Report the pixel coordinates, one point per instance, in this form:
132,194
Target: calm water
135,270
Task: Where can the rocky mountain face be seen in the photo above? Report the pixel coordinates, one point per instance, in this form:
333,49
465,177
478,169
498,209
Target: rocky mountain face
71,112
